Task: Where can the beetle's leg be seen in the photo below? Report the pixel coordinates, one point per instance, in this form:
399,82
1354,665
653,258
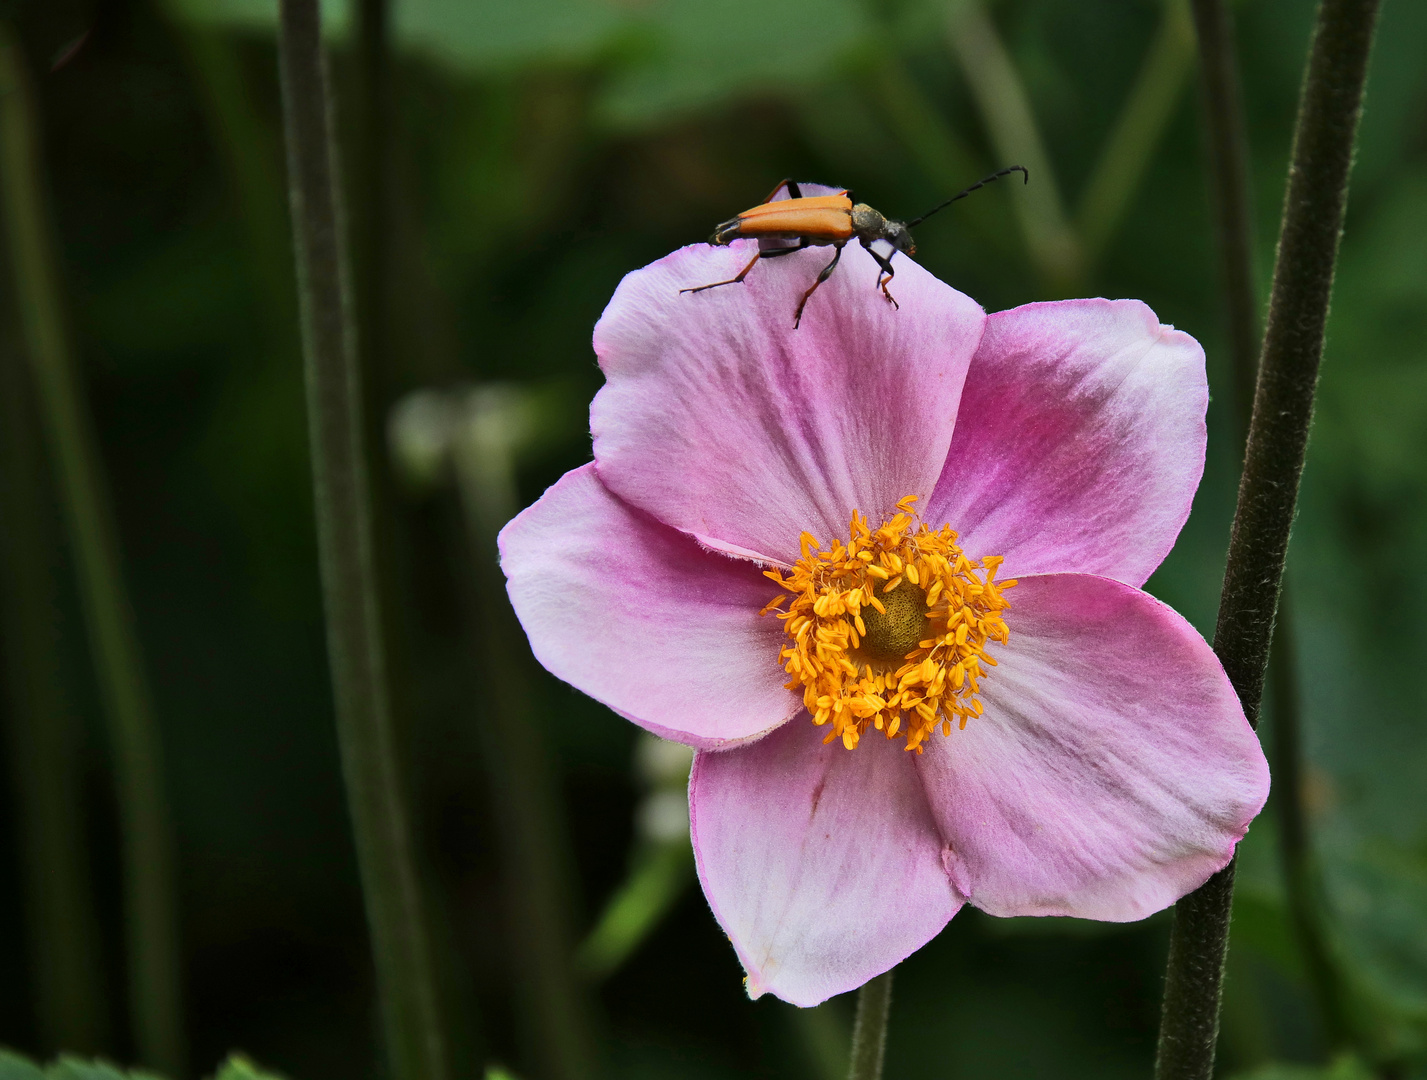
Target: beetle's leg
884,264
771,254
826,273
794,192
731,281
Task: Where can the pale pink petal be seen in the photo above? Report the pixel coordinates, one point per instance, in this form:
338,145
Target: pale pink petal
1113,770
640,617
720,419
1080,440
806,189
822,864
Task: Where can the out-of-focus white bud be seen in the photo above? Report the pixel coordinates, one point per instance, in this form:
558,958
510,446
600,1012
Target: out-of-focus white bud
419,430
663,816
661,763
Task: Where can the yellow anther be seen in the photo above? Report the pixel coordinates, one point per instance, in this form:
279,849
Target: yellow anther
905,667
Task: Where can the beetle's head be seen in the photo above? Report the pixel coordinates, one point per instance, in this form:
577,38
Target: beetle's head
900,237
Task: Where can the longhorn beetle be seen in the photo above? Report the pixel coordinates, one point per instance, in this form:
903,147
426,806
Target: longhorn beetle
820,220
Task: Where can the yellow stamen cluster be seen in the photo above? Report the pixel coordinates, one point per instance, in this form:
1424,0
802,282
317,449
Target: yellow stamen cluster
889,630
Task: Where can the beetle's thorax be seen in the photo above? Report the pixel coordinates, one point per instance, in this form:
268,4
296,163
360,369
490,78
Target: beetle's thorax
868,223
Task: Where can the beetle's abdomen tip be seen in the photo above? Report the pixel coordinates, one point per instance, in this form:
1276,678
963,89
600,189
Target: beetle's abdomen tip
727,233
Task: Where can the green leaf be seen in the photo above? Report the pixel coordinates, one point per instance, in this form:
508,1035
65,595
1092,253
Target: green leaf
238,1067
687,54
67,1067
484,37
73,1068
255,14
654,886
15,1067
703,53
1346,1067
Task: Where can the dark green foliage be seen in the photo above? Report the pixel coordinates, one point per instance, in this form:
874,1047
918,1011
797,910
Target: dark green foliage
527,179
68,1067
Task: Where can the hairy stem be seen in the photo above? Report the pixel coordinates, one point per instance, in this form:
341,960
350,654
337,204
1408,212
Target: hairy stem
1330,105
1234,228
869,1029
150,908
416,1040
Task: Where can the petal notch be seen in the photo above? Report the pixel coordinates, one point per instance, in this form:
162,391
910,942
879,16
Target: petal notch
823,865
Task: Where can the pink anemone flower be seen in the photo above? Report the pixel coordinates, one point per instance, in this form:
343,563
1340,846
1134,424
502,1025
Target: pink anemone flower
883,572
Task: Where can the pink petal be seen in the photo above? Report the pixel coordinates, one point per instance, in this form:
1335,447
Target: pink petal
1113,770
822,864
720,419
640,617
806,189
1080,440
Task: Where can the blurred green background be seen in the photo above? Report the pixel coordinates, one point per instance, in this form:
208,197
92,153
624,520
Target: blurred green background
538,151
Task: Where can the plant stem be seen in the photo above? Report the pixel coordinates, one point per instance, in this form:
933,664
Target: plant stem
1330,105
527,810
65,970
1227,155
1006,108
869,1029
151,922
937,148
1227,150
653,887
371,186
1293,342
1147,110
416,1040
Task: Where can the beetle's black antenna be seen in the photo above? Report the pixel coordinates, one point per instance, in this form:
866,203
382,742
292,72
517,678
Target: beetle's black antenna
979,184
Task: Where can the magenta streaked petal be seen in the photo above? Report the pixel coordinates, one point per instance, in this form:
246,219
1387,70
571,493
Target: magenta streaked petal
640,617
1113,770
823,865
1080,440
720,419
